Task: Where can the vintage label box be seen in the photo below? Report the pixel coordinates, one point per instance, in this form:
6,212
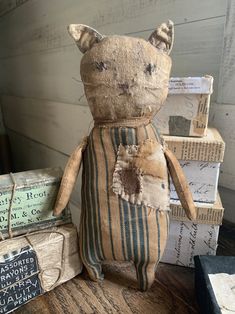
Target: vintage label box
33,201
206,213
186,109
187,239
200,159
34,264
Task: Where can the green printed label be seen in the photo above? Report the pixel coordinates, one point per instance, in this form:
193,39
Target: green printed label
30,205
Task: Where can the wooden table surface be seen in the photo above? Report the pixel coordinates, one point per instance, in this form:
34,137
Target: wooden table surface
172,292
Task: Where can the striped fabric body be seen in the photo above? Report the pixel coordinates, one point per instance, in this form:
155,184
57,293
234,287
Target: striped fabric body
112,228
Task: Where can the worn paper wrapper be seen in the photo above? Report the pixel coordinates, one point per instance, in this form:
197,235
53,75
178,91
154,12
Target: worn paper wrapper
206,213
33,202
33,264
187,239
203,179
186,109
200,159
209,148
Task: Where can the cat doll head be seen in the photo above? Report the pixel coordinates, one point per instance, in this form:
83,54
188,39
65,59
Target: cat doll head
124,77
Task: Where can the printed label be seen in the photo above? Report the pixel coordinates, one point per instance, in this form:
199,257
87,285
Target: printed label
19,280
190,85
31,205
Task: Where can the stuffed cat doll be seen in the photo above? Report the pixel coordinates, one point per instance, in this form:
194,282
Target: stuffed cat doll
125,182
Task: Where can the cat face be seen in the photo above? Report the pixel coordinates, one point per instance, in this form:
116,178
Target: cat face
124,77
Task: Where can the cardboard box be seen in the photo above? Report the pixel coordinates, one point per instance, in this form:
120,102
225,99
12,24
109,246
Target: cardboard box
214,284
187,239
33,201
200,159
186,109
33,264
206,213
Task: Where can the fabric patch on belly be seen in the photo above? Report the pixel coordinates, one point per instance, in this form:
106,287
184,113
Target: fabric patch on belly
140,175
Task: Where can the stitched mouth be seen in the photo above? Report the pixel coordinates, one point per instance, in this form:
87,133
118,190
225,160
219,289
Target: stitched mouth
126,87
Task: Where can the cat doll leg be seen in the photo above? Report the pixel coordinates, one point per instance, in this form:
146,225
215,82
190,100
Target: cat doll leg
89,253
145,275
155,230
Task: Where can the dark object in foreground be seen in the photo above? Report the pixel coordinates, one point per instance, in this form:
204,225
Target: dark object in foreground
205,266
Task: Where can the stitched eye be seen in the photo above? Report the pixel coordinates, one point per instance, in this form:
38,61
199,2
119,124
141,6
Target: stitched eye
101,66
150,68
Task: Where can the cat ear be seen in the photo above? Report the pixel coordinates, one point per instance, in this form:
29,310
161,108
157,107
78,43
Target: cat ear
163,37
84,36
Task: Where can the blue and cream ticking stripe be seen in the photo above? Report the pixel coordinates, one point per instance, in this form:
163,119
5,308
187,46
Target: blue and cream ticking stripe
112,228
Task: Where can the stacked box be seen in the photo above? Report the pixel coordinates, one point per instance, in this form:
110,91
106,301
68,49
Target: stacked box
34,264
186,109
200,151
206,213
200,159
43,252
34,198
189,238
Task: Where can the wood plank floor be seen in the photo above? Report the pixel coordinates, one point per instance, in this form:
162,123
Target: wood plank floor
172,292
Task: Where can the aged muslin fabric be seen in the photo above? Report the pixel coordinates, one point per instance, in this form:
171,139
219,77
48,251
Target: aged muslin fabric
113,228
140,174
124,77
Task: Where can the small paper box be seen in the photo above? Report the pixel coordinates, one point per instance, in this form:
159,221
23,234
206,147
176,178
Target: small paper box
34,264
214,284
186,109
33,201
187,239
206,213
200,159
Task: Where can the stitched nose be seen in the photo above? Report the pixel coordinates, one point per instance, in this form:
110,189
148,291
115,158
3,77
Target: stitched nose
124,88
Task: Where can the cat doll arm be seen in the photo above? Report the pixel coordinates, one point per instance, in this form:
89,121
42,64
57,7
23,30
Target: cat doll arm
163,39
181,184
69,177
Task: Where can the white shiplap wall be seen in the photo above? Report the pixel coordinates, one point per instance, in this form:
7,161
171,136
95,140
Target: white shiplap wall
45,110
223,112
40,60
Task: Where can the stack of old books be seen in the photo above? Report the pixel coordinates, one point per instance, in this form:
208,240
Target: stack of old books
37,250
200,151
